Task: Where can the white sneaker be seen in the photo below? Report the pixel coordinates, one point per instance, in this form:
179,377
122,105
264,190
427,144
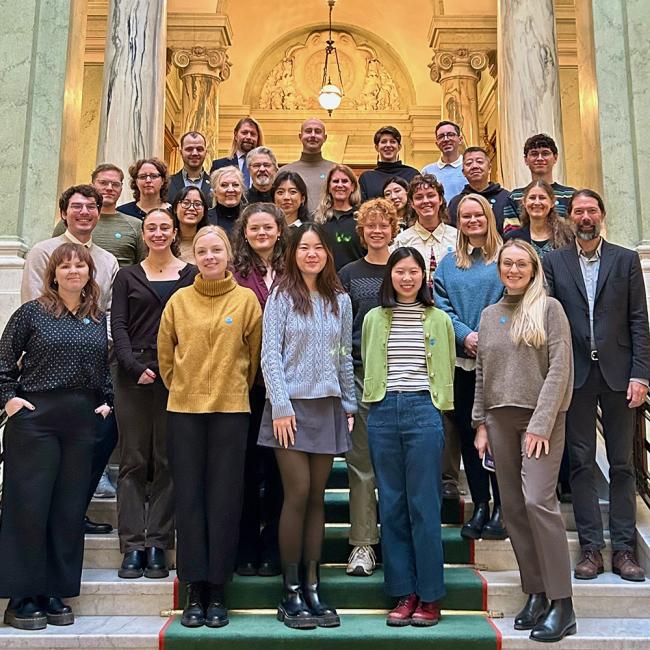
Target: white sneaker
104,489
362,561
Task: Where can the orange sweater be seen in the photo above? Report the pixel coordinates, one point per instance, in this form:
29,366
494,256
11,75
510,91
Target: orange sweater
209,346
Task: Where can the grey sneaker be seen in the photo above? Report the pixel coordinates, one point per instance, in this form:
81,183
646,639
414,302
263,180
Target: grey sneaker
362,561
105,489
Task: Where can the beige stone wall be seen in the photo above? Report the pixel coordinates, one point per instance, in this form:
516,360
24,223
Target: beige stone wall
570,98
90,107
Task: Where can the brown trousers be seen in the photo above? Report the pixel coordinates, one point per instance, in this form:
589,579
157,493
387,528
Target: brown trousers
530,506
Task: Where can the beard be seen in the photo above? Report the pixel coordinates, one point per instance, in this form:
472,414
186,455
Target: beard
588,235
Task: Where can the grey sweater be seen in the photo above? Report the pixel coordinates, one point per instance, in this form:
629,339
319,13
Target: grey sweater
540,379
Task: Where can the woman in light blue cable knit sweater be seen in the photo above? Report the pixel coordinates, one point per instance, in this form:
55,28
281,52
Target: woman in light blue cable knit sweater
307,368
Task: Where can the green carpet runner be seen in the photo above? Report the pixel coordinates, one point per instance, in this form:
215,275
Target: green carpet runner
252,600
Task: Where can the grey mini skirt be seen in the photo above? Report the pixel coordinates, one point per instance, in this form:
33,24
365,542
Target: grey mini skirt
322,427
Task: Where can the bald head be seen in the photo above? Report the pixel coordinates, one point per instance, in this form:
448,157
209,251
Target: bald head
312,135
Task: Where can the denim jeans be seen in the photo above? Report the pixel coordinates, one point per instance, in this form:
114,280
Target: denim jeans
406,441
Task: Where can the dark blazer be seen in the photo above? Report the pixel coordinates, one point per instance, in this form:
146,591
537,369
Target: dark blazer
620,313
176,184
224,162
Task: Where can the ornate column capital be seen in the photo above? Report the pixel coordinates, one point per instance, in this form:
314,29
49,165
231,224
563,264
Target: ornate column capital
207,61
457,63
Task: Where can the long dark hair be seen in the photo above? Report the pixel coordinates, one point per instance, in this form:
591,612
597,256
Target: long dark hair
387,295
561,233
51,300
245,259
298,181
409,213
175,246
181,196
292,282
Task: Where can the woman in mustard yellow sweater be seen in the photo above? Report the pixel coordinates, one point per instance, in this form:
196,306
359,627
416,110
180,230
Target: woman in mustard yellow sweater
208,353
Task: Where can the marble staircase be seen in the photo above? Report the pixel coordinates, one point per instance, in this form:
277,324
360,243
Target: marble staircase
115,613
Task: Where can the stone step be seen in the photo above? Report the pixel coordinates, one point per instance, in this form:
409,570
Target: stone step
608,596
96,632
492,555
593,634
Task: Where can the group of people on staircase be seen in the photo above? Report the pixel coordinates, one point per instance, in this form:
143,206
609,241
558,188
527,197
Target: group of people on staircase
263,322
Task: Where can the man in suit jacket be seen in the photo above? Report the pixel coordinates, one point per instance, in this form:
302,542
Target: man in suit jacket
247,136
193,152
600,286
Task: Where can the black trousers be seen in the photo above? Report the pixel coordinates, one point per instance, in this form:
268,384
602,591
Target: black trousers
48,455
618,430
260,507
105,441
478,478
145,513
206,455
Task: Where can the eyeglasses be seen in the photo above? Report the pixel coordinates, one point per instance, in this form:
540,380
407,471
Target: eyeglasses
534,154
146,177
520,265
112,184
266,165
447,136
192,204
78,207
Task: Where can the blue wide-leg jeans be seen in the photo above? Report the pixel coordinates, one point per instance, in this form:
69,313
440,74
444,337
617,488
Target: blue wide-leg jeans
406,442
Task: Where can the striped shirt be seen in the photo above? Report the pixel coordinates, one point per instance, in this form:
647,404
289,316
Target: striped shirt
407,361
512,208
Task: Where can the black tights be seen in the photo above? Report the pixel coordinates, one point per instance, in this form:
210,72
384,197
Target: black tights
304,477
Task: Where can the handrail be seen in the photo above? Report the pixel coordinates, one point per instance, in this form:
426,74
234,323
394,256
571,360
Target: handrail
642,451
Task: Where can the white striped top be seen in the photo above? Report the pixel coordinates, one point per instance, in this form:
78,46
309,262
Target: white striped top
407,362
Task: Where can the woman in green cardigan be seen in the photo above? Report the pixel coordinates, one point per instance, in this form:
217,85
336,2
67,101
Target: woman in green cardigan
408,351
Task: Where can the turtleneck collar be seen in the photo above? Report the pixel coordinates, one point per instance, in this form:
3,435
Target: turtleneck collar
512,299
311,157
226,212
214,287
389,166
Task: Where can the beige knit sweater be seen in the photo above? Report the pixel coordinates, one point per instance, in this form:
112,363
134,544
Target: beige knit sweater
508,375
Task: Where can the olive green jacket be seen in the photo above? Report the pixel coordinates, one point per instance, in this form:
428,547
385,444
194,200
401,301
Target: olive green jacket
440,349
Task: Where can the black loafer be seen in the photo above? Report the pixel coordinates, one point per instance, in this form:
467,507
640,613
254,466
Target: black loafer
132,565
156,565
269,569
25,614
94,528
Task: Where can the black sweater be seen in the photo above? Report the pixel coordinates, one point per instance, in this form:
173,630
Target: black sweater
135,315
224,217
342,238
372,181
494,193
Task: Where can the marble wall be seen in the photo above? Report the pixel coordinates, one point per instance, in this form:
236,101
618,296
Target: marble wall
90,111
572,128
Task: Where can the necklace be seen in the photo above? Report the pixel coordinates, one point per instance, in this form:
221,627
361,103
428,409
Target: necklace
153,268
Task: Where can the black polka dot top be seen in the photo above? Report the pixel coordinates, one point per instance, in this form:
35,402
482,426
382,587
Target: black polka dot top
59,353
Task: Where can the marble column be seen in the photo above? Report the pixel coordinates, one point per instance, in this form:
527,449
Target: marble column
34,49
528,83
201,71
133,98
458,74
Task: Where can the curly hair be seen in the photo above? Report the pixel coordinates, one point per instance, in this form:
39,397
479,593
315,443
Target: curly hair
245,259
134,169
50,298
382,208
423,181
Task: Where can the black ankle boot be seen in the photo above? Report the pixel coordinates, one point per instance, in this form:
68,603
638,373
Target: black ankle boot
156,564
57,612
132,565
194,614
292,610
494,528
216,614
326,616
535,608
560,621
25,614
474,527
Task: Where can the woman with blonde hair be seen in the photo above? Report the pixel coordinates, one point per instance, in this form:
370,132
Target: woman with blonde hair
466,282
55,386
335,213
227,196
526,335
208,353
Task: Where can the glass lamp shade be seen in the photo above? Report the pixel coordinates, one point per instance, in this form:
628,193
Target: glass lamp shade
330,97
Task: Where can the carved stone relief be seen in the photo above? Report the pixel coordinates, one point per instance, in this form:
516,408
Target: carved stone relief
293,83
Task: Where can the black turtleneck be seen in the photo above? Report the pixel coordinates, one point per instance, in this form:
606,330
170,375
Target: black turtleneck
220,215
372,181
253,195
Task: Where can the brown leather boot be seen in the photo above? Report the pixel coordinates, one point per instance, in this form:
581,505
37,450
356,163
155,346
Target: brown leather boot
624,564
590,565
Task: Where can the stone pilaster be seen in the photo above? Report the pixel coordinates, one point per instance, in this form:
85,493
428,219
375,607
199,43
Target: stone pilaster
133,99
202,70
458,72
529,88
